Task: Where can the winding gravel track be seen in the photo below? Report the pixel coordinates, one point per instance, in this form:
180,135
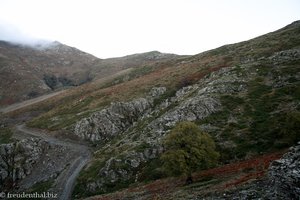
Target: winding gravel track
29,102
66,180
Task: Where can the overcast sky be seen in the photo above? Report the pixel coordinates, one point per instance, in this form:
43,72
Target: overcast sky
110,28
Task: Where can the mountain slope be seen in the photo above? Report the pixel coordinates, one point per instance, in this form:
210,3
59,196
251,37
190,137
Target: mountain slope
28,72
173,74
245,95
32,71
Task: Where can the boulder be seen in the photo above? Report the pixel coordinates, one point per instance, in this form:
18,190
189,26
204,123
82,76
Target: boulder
284,175
17,159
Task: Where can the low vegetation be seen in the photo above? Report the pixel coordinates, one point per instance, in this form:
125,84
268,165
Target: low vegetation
264,115
41,187
206,182
5,135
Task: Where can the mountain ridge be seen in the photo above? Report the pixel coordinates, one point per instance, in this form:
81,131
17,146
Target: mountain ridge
56,66
246,96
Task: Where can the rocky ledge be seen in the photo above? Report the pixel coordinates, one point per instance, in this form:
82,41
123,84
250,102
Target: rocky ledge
17,159
284,175
111,121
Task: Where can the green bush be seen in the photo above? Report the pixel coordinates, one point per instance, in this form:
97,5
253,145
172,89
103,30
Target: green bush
188,149
5,135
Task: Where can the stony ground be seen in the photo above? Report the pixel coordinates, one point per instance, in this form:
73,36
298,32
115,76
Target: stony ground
42,159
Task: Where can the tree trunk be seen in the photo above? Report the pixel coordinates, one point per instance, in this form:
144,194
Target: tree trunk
189,179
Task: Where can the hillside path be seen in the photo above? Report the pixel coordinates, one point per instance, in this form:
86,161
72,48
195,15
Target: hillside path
29,102
66,180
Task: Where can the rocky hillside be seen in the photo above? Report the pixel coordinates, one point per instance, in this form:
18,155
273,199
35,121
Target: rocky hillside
17,160
245,95
173,73
249,105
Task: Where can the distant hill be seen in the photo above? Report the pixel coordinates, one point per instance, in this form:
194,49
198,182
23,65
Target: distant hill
27,72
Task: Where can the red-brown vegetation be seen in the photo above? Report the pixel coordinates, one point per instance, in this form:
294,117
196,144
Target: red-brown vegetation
233,175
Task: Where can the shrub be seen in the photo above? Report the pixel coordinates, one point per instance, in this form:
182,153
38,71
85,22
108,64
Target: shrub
188,149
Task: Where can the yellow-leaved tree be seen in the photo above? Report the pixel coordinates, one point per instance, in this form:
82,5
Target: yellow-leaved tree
188,149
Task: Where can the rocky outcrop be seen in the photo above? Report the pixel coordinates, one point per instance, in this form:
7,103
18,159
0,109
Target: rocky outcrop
17,159
111,121
115,119
285,56
192,109
195,102
148,123
123,168
284,175
190,103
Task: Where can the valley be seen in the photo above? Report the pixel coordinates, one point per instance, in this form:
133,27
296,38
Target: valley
94,128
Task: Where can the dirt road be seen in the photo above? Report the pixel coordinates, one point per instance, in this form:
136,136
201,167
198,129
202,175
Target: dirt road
29,102
70,161
64,183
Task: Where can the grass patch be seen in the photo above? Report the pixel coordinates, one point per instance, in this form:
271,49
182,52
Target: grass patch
5,135
68,115
261,123
41,187
87,175
135,73
202,183
151,171
257,89
231,101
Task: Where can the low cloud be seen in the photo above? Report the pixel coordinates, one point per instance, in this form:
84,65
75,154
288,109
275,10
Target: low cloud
14,35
